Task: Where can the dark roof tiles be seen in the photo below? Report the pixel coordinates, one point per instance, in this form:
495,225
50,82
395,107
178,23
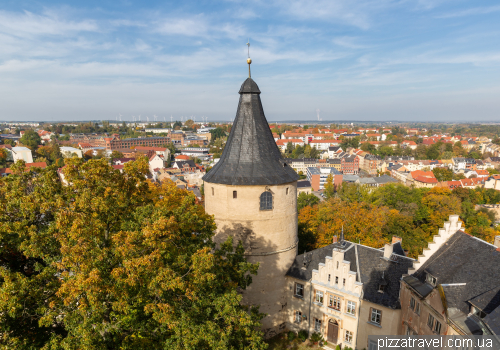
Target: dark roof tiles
251,156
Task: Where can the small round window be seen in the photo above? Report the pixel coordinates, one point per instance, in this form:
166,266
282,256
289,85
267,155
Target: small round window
266,201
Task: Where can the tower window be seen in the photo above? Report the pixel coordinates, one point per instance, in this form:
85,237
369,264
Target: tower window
212,191
287,190
266,201
235,194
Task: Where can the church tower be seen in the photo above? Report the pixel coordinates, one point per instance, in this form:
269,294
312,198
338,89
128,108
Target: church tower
252,194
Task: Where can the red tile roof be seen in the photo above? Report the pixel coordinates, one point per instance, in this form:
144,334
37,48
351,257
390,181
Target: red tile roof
427,180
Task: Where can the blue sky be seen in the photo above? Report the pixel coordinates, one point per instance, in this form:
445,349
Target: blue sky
420,60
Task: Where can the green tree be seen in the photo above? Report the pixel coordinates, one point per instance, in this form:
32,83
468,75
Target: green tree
217,133
432,153
31,139
305,199
385,151
116,155
443,174
368,147
113,261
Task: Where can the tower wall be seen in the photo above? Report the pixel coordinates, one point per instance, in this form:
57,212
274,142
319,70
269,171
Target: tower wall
269,237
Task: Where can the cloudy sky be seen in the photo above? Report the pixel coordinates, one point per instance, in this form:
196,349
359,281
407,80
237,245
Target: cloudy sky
428,60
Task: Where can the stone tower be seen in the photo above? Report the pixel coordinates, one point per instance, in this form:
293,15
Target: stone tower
252,193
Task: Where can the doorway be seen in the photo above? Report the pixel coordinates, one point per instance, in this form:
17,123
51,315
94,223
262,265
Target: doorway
333,331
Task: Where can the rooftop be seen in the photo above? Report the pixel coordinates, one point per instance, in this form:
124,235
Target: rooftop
251,156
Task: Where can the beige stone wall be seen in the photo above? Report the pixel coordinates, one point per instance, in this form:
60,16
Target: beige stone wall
417,322
269,238
390,323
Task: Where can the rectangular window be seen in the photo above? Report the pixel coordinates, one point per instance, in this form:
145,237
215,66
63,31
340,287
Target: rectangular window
376,316
336,303
319,297
337,265
351,308
298,316
287,190
212,191
430,321
348,337
417,309
343,282
235,194
328,277
437,327
317,325
299,289
336,280
412,303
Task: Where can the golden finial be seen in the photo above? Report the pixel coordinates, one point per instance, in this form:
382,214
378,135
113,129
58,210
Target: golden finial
249,60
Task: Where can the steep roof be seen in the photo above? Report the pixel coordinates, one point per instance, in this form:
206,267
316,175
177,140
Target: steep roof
372,269
469,260
251,156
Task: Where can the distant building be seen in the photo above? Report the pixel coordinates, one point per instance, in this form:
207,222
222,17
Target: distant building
318,177
304,186
21,153
349,165
69,152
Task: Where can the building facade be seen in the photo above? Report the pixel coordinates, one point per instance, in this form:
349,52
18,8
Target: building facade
346,292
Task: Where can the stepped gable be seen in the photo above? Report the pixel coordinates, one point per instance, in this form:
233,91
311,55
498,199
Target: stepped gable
251,156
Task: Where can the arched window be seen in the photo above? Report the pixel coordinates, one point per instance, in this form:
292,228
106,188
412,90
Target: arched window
266,201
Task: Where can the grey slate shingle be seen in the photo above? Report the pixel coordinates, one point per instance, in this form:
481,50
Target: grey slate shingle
251,156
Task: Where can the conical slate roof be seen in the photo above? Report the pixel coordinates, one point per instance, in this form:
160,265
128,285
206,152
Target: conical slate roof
251,156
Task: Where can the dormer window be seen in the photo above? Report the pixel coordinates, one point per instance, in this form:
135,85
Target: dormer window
431,279
381,288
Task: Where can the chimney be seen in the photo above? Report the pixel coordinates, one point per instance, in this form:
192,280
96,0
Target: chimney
388,248
334,240
496,242
397,239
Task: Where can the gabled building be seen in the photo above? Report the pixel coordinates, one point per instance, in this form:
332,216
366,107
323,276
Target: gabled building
349,165
454,288
347,291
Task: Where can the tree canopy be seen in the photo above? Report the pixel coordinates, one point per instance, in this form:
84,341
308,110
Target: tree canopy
112,261
30,139
373,216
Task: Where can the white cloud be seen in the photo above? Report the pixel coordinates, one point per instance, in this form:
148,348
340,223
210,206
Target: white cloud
195,26
28,23
471,11
348,42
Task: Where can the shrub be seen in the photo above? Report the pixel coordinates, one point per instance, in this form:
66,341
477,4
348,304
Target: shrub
303,335
316,337
338,347
291,336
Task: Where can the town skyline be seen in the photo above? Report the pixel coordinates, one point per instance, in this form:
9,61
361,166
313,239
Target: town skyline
387,60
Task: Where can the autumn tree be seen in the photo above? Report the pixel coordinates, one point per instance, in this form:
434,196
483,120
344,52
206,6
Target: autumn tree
3,156
442,174
113,261
329,187
116,155
306,199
